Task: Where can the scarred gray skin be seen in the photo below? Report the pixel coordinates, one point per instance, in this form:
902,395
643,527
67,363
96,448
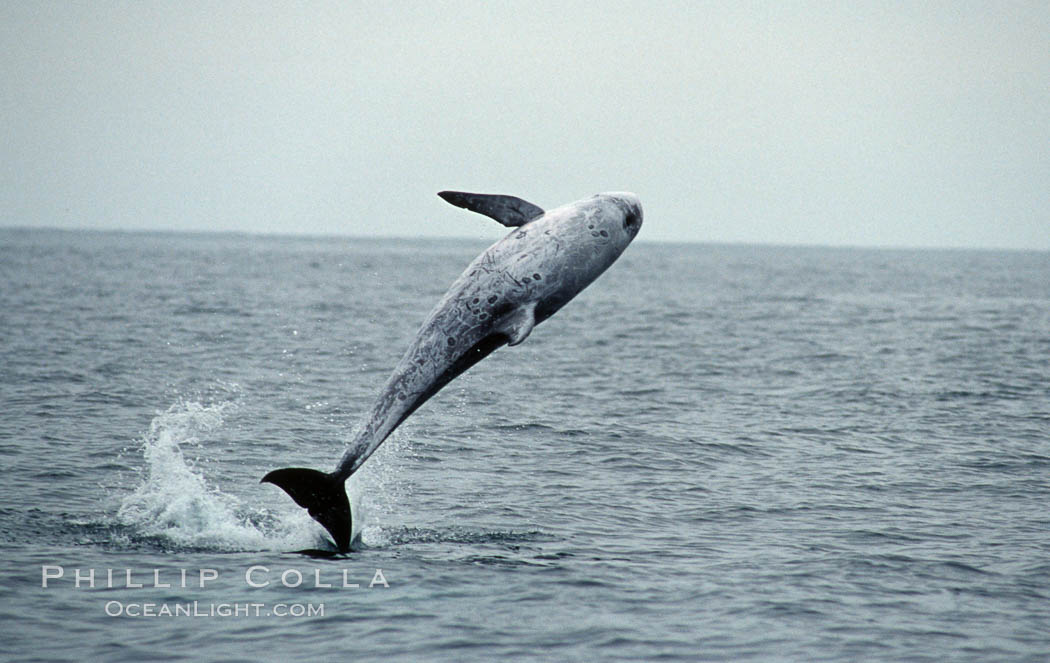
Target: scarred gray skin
533,271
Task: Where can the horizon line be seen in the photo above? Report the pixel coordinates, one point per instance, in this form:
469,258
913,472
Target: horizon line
462,238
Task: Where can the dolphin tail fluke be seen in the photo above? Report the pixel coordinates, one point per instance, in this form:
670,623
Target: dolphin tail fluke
323,495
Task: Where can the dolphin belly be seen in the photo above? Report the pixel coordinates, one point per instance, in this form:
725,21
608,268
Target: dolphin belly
444,348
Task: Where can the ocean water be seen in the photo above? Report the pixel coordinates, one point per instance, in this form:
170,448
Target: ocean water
714,453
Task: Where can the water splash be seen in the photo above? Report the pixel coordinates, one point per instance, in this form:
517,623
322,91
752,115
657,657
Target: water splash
176,502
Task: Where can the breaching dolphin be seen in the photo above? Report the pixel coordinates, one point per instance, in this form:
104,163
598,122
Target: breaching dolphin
517,283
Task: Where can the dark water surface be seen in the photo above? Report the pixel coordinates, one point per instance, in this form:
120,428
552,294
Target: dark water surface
714,453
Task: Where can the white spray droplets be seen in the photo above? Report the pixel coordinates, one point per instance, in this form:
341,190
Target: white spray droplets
174,500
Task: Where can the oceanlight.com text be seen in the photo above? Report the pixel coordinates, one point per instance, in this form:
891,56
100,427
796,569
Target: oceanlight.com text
205,609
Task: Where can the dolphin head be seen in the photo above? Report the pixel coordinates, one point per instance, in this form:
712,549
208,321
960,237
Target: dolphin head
592,234
609,222
631,210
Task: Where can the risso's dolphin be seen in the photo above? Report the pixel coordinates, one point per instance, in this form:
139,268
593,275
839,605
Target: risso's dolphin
517,283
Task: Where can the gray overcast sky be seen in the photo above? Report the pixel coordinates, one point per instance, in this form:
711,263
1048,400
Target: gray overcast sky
856,123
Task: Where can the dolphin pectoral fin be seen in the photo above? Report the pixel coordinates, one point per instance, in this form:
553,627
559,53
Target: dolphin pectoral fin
518,324
508,210
323,495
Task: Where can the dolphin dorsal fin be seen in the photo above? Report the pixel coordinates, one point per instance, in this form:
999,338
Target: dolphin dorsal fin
508,210
518,324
